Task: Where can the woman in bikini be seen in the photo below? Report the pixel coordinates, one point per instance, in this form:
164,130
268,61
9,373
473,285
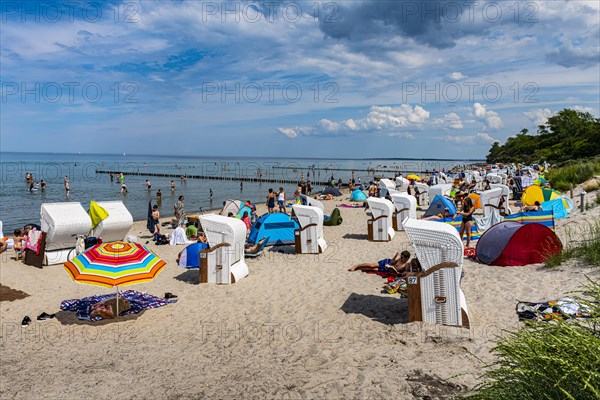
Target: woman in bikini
467,219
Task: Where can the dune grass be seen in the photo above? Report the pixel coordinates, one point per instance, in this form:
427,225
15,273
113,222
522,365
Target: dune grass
584,246
576,173
548,360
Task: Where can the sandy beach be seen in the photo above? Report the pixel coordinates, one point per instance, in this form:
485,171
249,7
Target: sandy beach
298,327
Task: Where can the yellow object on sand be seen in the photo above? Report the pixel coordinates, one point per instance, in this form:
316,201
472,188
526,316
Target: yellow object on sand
97,213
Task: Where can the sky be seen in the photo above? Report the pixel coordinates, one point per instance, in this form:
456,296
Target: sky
345,79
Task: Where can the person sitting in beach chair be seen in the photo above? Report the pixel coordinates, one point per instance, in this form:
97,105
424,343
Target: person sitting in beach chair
398,263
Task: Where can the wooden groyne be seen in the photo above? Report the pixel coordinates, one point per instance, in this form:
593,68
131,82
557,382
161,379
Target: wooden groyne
210,177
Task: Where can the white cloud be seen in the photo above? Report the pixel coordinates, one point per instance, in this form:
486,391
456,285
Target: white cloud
402,135
584,109
289,132
451,120
480,138
538,116
379,118
491,119
456,76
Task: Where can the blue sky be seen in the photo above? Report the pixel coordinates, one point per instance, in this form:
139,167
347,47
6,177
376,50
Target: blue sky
347,79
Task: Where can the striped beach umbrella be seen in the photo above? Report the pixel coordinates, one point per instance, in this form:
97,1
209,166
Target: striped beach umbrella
115,264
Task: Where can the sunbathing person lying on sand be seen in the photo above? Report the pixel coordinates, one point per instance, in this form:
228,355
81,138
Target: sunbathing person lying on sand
254,248
398,264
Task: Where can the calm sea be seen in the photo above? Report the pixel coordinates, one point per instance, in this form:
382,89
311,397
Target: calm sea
19,206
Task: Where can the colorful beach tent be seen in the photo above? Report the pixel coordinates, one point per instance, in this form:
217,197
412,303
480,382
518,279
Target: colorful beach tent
535,193
247,209
331,190
190,256
438,204
278,227
545,218
358,195
557,206
514,244
475,198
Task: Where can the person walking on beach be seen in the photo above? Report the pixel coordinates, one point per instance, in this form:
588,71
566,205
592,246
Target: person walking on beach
179,209
148,185
281,200
271,201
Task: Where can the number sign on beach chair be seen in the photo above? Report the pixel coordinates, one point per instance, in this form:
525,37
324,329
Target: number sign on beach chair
379,226
434,295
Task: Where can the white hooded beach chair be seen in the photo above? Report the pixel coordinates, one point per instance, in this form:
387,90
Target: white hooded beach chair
379,226
62,222
385,185
434,295
309,201
405,207
223,262
423,195
493,178
441,189
402,184
309,238
118,223
505,193
490,201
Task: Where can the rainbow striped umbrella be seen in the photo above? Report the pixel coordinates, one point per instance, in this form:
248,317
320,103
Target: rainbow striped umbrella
115,264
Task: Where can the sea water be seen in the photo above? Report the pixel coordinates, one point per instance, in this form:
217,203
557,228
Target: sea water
19,206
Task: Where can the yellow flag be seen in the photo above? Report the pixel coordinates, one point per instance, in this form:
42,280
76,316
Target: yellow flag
97,213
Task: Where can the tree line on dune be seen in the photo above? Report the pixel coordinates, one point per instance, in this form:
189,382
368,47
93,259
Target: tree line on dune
568,135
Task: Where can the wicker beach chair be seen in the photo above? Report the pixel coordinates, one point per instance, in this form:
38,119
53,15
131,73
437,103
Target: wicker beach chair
223,262
434,295
405,207
490,201
309,237
379,226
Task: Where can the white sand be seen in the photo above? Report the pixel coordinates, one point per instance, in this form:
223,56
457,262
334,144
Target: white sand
299,326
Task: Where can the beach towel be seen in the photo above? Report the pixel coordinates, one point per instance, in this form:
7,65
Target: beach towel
560,309
137,300
33,241
178,237
484,223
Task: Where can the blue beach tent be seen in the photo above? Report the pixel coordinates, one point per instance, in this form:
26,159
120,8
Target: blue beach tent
358,195
279,228
190,256
240,213
557,206
438,205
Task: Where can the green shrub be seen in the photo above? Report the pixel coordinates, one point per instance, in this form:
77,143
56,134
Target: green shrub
548,360
572,173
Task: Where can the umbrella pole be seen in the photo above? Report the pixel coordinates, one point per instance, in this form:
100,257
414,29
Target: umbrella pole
116,316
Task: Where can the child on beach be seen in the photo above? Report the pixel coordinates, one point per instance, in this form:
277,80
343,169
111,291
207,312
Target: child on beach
156,218
19,239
